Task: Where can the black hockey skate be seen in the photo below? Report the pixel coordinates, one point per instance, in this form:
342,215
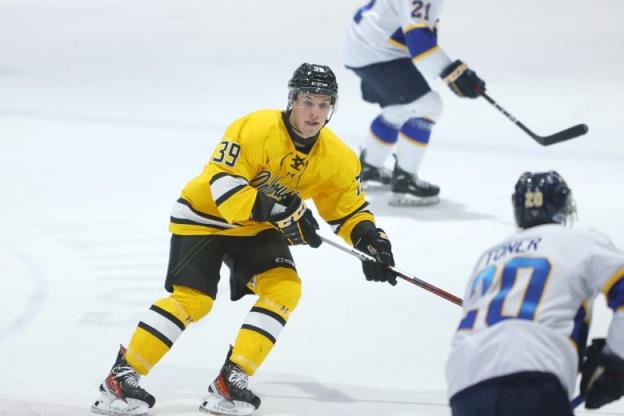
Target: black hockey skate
120,394
228,394
408,190
373,177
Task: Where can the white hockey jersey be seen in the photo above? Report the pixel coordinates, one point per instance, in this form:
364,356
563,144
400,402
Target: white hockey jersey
527,306
384,30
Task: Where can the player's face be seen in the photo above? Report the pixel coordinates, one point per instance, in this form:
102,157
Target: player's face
309,113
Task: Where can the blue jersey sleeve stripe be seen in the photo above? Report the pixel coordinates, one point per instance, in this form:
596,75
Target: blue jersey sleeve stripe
420,40
397,39
613,280
580,330
615,295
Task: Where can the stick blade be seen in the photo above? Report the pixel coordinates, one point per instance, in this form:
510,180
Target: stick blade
567,134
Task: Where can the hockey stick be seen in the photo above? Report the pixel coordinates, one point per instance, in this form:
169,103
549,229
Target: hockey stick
563,135
411,279
577,401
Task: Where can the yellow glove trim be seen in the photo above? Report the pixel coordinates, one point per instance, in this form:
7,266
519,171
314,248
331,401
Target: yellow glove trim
457,72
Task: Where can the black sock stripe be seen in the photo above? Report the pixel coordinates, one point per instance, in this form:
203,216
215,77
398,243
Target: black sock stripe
169,316
155,333
272,314
260,331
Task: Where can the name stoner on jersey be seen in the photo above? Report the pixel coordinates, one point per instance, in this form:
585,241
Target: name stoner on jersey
244,210
527,312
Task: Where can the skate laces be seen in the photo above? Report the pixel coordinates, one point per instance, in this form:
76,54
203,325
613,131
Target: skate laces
415,180
382,170
238,378
127,375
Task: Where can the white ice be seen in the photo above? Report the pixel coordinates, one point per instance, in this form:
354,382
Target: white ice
108,107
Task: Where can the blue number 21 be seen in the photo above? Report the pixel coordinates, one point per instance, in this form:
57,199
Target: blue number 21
540,270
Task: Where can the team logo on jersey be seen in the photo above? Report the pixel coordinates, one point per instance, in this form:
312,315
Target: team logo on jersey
297,162
265,183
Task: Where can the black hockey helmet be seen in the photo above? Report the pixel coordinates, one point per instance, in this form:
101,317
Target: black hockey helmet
542,198
315,79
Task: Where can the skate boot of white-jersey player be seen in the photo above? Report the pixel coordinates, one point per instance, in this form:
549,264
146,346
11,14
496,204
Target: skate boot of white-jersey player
372,177
408,190
229,395
120,393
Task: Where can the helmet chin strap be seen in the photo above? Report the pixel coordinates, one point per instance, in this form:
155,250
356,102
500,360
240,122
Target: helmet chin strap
329,116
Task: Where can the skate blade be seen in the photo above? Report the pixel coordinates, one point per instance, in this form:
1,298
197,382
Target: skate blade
110,405
216,405
374,186
407,200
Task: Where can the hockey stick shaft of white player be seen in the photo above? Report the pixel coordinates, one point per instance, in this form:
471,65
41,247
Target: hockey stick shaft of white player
410,279
567,134
577,401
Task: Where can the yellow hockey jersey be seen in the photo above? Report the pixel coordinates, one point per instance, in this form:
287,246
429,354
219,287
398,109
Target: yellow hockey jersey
257,154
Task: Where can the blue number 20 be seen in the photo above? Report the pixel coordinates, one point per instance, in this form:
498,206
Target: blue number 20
540,270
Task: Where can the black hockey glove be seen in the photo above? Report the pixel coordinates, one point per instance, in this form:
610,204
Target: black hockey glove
296,222
603,376
374,242
463,81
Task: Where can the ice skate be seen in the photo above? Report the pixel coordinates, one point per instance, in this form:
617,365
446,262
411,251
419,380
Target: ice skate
373,177
408,190
120,393
228,394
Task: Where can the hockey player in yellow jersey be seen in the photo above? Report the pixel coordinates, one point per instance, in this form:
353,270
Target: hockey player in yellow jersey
244,210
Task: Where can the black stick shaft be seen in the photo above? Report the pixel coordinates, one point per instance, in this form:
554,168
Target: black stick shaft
567,134
505,112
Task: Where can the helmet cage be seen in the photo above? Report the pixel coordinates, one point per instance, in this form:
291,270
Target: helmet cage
542,198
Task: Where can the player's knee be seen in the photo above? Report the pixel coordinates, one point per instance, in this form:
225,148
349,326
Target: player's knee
281,286
433,105
288,294
196,303
429,106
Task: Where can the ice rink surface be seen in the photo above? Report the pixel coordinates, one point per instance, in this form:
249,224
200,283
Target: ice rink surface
108,107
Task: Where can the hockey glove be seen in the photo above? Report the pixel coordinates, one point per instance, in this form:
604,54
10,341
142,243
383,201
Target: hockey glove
602,381
296,222
374,242
463,81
